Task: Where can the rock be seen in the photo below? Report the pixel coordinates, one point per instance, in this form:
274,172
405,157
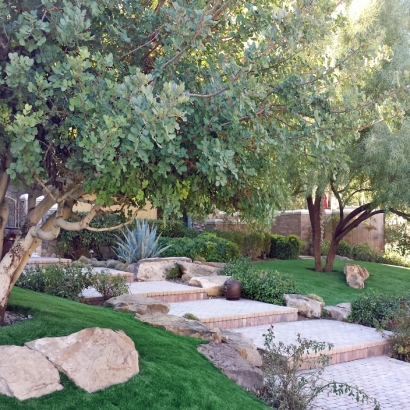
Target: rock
92,358
355,275
305,306
339,312
155,268
25,373
98,264
211,284
84,259
219,265
137,304
112,263
233,365
190,270
121,266
244,346
181,326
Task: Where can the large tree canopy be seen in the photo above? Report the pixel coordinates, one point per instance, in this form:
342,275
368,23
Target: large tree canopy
188,104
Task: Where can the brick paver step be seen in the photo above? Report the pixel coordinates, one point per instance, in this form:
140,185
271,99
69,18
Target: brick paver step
350,341
227,314
163,290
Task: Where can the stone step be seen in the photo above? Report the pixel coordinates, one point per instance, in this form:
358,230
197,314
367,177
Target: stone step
351,341
228,314
162,290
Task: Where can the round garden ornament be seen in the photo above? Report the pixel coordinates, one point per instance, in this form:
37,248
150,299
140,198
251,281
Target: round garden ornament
233,289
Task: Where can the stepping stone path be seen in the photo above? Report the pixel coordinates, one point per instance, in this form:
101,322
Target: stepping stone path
359,356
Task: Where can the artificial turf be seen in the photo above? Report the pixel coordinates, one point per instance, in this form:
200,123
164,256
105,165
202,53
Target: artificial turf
173,375
332,286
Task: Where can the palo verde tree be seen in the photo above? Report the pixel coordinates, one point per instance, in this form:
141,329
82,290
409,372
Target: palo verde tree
189,105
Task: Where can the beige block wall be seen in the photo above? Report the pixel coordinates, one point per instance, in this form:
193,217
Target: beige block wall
298,223
148,212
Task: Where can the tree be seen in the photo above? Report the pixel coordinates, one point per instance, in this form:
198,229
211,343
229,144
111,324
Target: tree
189,105
347,176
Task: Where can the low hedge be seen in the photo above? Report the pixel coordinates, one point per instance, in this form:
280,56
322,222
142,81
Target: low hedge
285,247
250,244
262,285
207,247
374,309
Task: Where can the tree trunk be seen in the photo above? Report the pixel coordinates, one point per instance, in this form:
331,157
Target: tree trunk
314,215
330,258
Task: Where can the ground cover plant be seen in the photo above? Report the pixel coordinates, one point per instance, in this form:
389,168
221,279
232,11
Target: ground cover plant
173,374
332,287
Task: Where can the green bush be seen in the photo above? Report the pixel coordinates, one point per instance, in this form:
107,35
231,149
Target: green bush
71,243
206,246
344,249
325,247
399,340
285,247
393,258
364,252
64,280
33,279
263,285
250,244
374,309
174,229
109,285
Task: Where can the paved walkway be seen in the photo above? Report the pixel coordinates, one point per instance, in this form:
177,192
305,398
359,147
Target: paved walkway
380,377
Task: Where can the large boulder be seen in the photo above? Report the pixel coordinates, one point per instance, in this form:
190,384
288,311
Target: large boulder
25,373
244,346
306,306
193,269
181,326
92,358
233,365
154,269
355,275
137,304
211,284
339,312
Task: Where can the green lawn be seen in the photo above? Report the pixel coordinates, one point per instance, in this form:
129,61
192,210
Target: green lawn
173,375
332,286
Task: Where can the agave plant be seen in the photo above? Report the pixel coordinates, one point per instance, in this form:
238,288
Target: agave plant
139,243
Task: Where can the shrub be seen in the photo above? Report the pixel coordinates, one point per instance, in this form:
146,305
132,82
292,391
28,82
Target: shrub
174,229
304,248
325,247
286,387
364,252
109,285
67,280
375,309
206,246
33,279
263,285
285,247
393,258
71,243
344,249
174,272
249,244
399,324
140,243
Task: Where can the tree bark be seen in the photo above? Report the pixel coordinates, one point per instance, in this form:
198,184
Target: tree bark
314,215
330,258
345,225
